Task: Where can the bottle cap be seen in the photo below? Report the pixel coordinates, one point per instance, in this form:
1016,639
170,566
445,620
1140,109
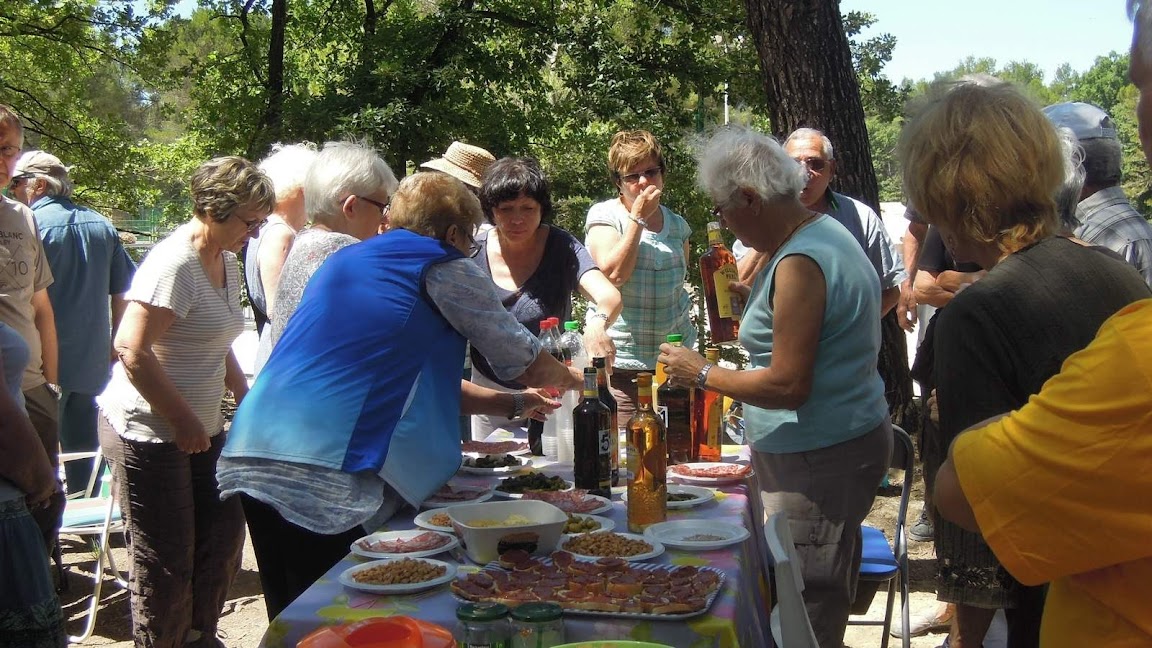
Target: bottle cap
537,612
675,337
571,326
481,611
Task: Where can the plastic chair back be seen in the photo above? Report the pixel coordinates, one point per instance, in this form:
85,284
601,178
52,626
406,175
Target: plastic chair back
791,627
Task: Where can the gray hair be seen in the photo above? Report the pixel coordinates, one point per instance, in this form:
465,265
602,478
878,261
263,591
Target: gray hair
56,187
1102,157
1141,15
287,166
812,133
1068,194
736,158
343,169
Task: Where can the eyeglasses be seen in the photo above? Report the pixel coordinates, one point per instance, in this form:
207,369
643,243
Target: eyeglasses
384,207
16,180
9,151
633,178
813,163
252,225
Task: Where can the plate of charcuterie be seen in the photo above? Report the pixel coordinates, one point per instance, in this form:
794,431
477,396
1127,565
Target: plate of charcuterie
710,472
682,496
494,464
398,576
572,501
481,448
698,535
452,494
415,543
603,587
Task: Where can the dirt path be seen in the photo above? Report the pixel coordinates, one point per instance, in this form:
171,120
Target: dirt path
243,622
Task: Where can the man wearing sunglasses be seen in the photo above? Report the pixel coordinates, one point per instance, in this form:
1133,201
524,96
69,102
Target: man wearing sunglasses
813,150
91,271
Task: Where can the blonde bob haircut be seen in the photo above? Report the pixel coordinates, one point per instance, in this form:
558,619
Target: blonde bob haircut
629,148
429,202
982,160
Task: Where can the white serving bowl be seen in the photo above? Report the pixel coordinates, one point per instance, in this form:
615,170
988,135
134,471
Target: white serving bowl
485,543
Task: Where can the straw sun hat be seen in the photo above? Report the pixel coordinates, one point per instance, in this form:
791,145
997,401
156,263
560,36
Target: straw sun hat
462,161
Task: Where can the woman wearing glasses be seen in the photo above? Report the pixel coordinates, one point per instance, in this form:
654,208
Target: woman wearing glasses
346,194
536,267
642,247
161,427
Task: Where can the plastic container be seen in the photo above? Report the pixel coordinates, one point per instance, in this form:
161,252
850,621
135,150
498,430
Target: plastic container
573,343
483,544
537,625
482,625
385,632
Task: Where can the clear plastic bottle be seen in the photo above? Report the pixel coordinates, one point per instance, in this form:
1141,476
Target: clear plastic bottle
573,343
550,429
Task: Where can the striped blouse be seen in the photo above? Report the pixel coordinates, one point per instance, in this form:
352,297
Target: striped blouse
192,351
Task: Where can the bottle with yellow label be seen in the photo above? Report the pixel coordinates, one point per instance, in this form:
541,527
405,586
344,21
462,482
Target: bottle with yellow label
708,414
717,269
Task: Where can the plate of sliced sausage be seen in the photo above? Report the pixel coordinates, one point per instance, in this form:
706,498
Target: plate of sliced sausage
404,544
710,472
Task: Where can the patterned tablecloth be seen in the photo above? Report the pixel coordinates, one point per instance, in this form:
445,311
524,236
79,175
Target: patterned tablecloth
738,616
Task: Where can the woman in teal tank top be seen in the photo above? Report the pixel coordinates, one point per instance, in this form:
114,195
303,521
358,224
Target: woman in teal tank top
814,408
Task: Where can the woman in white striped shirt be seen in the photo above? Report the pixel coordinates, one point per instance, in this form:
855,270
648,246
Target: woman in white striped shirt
161,426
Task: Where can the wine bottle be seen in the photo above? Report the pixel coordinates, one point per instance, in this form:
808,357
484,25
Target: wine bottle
592,436
604,387
717,269
675,408
647,462
708,414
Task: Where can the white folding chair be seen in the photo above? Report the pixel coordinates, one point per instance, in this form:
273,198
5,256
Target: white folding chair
94,513
884,563
791,627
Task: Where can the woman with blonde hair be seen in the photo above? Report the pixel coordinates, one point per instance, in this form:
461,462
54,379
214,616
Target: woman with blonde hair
356,412
642,247
162,429
983,164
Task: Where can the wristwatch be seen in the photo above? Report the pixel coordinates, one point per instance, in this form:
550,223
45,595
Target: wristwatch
517,406
702,376
643,223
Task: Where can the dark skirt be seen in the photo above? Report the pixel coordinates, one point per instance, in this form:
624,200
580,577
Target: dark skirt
30,615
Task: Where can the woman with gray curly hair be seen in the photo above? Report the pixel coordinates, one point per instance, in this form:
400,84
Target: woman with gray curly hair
814,407
162,429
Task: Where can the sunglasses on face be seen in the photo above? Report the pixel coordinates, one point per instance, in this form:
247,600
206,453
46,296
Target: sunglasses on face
813,163
633,178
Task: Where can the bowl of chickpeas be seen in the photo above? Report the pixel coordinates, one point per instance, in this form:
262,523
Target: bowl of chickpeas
489,529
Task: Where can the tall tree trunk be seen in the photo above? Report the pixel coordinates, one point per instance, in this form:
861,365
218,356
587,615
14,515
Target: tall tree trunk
272,123
806,65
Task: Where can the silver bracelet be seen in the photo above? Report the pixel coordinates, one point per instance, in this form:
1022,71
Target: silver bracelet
702,376
599,316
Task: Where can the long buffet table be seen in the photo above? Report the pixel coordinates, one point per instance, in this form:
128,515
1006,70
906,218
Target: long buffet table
738,616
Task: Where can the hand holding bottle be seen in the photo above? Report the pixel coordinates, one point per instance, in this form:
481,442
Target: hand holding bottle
680,364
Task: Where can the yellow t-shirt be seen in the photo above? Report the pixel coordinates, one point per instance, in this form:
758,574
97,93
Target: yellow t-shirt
1062,488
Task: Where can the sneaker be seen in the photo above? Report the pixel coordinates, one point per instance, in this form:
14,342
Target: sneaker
922,530
923,624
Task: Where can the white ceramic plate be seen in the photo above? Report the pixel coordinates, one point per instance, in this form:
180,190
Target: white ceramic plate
677,534
503,470
407,588
482,451
432,502
424,521
700,495
360,550
605,523
726,479
657,548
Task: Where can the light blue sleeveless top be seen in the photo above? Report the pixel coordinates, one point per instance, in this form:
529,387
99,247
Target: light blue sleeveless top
847,398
